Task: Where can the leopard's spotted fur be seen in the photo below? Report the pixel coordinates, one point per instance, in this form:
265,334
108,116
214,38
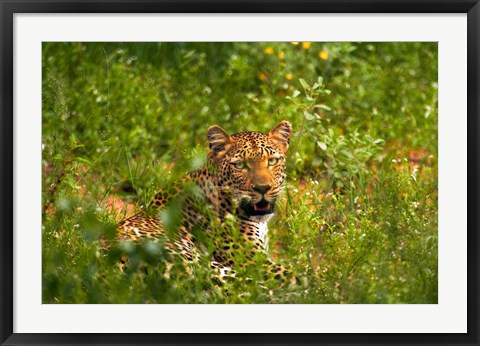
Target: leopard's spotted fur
240,183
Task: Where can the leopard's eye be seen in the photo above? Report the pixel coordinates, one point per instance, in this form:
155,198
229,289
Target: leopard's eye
240,165
272,161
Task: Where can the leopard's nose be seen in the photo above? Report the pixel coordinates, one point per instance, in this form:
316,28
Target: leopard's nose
261,188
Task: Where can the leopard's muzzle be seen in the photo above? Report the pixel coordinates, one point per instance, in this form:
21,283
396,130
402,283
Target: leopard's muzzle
263,207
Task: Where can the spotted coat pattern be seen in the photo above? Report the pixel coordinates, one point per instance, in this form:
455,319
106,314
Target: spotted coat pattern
239,184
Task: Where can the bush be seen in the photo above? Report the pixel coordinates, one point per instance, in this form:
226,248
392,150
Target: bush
358,221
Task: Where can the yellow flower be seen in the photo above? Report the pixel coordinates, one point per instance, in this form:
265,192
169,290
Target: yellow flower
306,45
289,76
268,50
281,55
323,55
295,43
262,76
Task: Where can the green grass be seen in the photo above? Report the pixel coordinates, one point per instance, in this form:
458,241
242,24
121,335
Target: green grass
358,221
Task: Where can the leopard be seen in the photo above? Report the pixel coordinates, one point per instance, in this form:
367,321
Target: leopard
238,185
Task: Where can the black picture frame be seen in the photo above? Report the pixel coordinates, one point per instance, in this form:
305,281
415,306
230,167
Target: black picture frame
10,7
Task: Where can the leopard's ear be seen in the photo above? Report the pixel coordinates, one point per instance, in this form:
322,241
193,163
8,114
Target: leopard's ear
218,140
281,134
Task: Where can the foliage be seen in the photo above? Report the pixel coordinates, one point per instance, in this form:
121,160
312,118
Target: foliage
358,221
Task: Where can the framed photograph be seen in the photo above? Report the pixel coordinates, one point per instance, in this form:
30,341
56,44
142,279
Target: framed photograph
239,172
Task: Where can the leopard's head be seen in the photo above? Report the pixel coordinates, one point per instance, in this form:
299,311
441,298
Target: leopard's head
251,165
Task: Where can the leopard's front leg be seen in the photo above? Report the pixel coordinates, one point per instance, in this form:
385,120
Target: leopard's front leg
249,249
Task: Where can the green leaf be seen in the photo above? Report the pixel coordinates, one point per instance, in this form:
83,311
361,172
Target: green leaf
322,145
324,107
308,116
304,84
82,160
295,93
347,154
